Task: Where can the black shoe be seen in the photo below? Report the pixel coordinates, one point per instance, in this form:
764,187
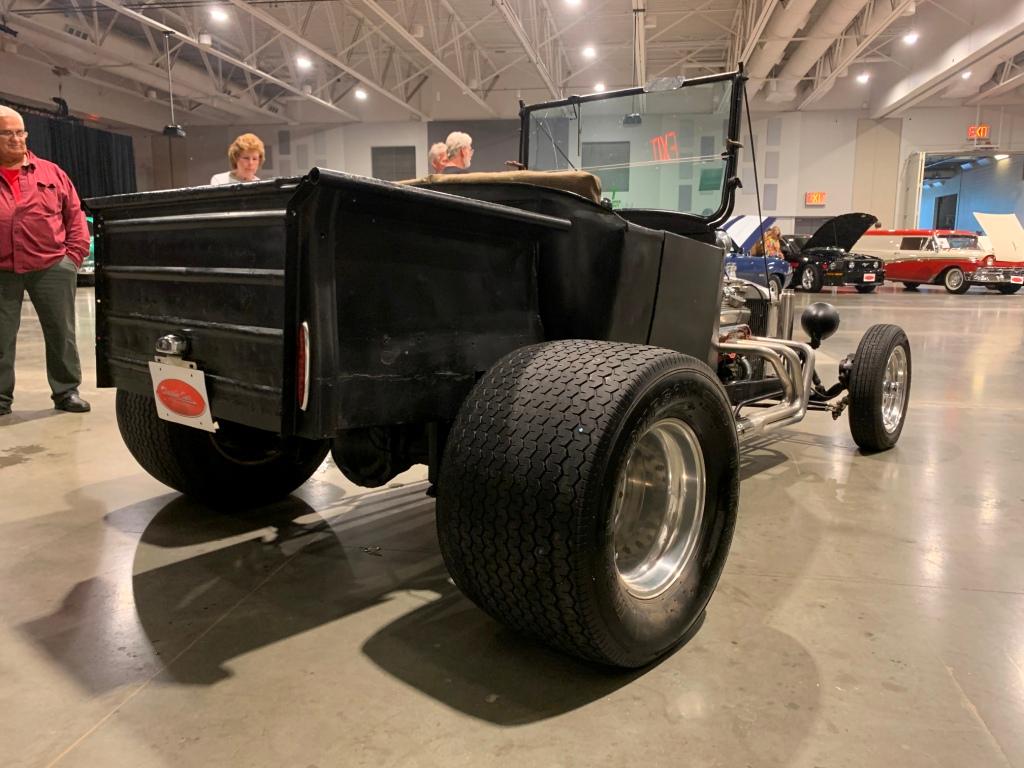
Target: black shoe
73,404
5,410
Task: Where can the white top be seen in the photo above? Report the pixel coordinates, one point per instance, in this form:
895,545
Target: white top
228,177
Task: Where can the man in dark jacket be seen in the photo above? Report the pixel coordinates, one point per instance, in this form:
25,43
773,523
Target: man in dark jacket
460,152
43,240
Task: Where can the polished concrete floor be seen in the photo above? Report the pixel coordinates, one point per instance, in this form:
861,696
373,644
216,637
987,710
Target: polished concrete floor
871,612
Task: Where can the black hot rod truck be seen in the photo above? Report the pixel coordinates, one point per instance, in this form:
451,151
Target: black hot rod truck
577,378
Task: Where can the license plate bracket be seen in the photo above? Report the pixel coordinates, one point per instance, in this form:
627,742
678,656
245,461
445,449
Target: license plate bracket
179,391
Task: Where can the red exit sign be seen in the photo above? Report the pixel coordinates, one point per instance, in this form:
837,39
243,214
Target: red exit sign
814,198
665,146
980,131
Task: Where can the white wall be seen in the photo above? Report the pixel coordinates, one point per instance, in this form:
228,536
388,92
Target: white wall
797,153
359,138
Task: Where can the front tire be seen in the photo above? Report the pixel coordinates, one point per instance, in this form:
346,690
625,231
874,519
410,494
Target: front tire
880,387
775,285
910,286
865,288
1009,290
811,279
588,496
236,467
955,281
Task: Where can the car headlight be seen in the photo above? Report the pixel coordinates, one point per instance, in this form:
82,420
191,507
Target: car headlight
849,265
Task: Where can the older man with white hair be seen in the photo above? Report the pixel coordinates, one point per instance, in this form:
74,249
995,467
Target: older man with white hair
43,240
437,157
460,152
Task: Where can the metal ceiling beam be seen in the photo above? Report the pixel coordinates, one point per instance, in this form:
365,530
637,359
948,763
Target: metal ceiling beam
407,36
316,50
516,25
971,49
1010,79
756,30
123,57
143,19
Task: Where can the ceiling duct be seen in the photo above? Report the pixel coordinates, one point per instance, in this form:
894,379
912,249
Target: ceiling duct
786,21
826,29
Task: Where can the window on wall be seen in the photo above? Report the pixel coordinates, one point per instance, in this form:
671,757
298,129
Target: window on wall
393,163
601,157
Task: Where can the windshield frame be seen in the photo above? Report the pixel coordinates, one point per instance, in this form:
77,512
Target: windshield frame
732,143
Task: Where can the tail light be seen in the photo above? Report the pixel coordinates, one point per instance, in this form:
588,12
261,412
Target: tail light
302,366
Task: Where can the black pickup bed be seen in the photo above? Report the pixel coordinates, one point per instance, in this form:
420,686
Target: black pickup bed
409,294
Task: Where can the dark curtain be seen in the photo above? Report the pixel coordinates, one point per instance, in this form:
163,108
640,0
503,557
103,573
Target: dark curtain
98,162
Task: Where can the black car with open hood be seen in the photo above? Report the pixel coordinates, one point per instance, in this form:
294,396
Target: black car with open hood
825,258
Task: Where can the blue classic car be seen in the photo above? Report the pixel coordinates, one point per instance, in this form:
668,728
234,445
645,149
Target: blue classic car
772,273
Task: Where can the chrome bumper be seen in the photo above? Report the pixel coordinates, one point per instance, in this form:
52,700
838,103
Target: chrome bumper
997,275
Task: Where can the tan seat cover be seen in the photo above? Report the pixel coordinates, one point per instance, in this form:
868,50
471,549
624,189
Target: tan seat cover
578,182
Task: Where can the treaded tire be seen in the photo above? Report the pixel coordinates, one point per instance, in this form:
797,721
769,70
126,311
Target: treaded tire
867,387
530,478
200,464
775,284
865,288
813,285
952,285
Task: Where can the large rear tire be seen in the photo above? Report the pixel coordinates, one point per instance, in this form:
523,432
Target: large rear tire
235,467
880,387
588,495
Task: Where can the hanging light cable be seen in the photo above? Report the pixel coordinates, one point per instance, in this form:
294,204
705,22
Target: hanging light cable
173,130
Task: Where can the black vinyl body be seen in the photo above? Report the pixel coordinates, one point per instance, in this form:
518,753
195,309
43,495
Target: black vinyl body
409,294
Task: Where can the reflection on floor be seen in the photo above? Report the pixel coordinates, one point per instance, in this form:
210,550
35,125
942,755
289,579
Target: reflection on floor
872,611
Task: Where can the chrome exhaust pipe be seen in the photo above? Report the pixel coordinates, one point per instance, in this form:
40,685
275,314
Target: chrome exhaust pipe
784,329
793,363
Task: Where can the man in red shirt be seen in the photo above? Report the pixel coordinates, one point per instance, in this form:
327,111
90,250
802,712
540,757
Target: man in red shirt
43,240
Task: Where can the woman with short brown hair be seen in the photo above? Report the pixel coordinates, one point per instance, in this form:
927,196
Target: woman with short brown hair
246,154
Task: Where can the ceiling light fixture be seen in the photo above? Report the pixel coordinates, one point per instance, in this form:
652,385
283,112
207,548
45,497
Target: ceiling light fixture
910,38
303,62
966,75
599,87
219,14
863,77
573,3
589,52
361,94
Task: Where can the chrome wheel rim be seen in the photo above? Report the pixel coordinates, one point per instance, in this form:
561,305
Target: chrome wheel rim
807,279
658,508
954,279
894,389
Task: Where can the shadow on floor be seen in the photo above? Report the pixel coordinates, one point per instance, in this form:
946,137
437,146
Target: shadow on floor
450,650
21,417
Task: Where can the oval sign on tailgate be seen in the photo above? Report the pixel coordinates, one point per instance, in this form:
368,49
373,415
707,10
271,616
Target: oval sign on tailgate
180,397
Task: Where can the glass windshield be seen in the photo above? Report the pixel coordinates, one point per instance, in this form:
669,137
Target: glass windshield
662,149
958,242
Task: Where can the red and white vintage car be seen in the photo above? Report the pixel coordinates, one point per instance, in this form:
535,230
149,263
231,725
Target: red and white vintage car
948,257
